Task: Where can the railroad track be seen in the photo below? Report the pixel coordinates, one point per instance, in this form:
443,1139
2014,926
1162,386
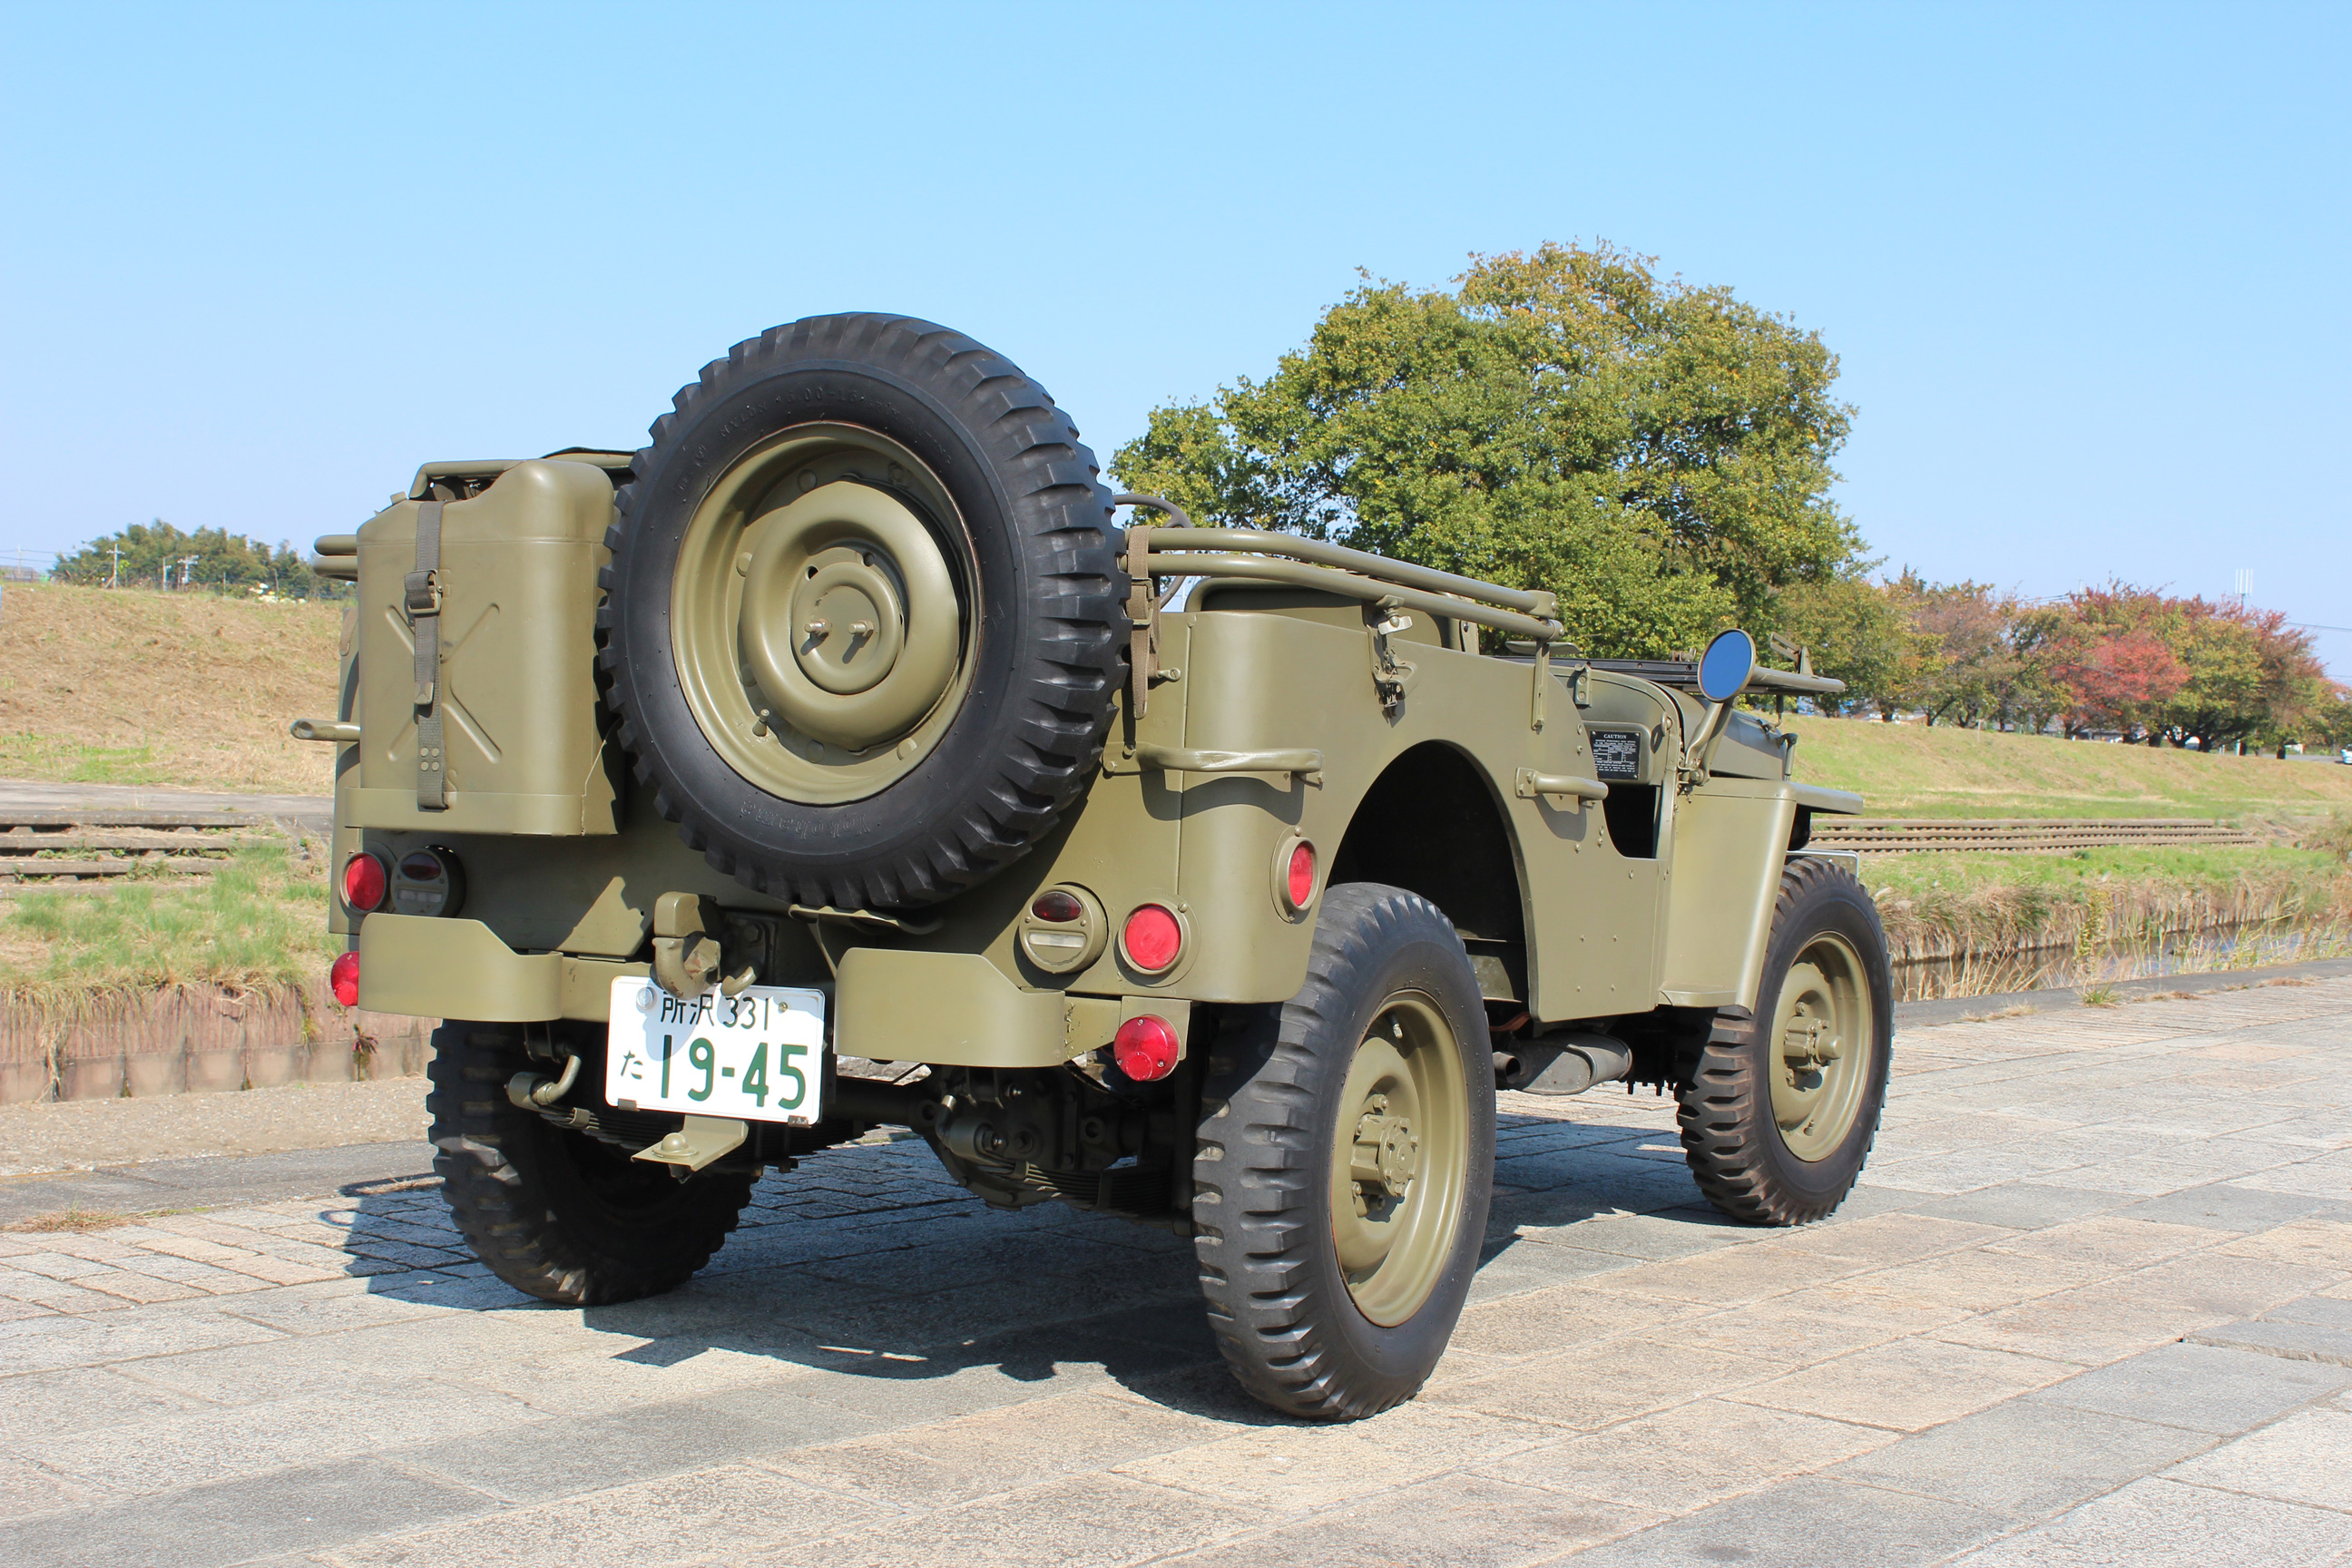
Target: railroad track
88,846
2026,836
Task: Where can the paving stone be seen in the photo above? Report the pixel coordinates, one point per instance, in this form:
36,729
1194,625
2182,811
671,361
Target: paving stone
390,1354
1774,1330
1659,1235
538,1461
1454,1521
39,1405
2018,1208
1805,1524
2107,1240
1558,1318
1085,1521
41,1344
1732,1274
1689,1455
1887,1240
1513,1266
2201,1387
1300,1465
2314,1242
2304,1458
2223,1205
1976,1280
1615,1380
2025,1459
999,1450
2089,1326
2159,1523
724,1513
27,1487
239,1521
1907,1386
205,1446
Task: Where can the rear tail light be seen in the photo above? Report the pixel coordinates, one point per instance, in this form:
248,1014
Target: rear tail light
365,881
1057,906
344,977
1063,930
1153,939
1298,876
429,882
1146,1049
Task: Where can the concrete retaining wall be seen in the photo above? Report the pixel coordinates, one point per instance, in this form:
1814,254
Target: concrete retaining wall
200,1039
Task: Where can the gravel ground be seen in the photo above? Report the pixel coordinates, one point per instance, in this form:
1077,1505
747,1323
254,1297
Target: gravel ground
82,1134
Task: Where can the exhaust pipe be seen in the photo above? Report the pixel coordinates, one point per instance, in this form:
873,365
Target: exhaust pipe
1567,1063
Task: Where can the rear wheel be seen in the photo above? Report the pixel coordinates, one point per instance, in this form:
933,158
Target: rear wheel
555,1214
1345,1162
1781,1108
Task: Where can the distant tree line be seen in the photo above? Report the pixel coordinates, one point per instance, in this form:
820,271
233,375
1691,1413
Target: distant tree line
2119,660
156,554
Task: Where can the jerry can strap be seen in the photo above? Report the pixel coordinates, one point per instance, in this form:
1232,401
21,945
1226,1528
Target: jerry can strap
422,598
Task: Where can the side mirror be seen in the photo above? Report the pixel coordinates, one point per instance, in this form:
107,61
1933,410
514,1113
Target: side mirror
1725,669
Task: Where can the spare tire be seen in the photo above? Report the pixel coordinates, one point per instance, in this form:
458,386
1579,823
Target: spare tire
863,620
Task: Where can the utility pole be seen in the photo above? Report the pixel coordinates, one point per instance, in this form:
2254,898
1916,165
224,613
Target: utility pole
114,578
188,569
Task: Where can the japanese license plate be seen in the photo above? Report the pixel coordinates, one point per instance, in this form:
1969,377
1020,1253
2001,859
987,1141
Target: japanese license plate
759,1056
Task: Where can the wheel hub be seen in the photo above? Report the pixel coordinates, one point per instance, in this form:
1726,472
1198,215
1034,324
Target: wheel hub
852,620
1386,1156
1398,1157
1820,1048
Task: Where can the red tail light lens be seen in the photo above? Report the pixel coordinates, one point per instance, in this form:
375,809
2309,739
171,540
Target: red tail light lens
1153,939
1057,907
1146,1049
345,978
1298,878
365,881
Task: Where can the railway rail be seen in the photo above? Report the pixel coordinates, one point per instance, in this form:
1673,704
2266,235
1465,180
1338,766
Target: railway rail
2025,835
82,847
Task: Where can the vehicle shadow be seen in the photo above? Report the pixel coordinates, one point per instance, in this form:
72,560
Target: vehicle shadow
868,1262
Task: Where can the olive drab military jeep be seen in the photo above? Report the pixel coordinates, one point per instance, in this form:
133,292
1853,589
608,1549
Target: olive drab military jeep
836,761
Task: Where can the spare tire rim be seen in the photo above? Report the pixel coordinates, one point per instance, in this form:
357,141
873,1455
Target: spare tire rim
820,615
1399,1159
1824,1037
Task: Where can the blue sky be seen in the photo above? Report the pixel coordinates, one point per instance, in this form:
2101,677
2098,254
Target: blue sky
2086,267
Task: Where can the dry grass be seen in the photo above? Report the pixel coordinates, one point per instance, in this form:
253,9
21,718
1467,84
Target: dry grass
75,1220
128,686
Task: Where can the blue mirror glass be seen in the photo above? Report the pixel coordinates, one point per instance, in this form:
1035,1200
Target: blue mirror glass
1724,668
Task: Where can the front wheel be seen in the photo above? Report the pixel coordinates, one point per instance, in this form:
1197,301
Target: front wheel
1345,1162
1780,1109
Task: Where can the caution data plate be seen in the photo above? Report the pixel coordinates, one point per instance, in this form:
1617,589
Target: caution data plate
759,1056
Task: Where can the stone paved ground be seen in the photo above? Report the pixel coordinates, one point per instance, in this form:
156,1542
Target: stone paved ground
2093,1305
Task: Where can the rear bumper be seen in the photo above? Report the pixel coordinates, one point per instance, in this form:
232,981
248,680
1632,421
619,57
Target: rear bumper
436,967
951,1009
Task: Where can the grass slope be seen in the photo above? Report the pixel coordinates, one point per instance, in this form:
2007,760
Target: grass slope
1909,770
129,686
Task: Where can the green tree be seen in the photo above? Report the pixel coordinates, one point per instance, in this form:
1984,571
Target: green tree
1855,632
2251,678
213,558
1657,455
